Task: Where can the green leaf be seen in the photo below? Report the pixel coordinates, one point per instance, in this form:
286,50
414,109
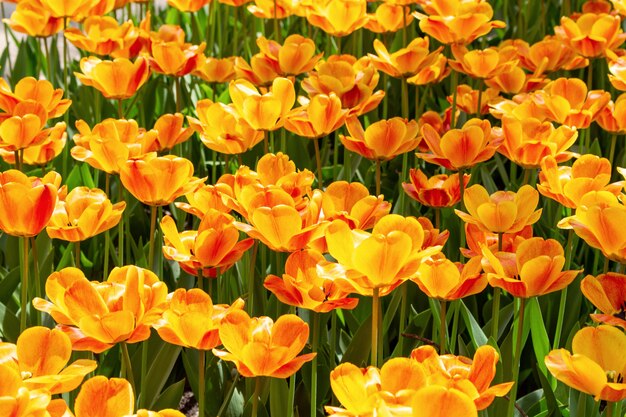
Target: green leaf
170,397
162,365
541,343
279,397
478,336
553,406
359,348
10,327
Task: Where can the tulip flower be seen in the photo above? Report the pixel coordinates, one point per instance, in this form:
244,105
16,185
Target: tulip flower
612,118
188,5
17,400
502,211
567,101
548,55
388,18
169,132
295,56
204,198
103,35
382,140
158,181
534,269
510,82
596,365
192,320
437,191
267,111
41,355
469,376
41,154
598,216
607,292
26,203
483,63
443,279
82,214
457,21
118,79
216,70
271,9
33,19
223,129
338,17
26,128
174,58
261,71
214,245
406,62
591,35
568,185
475,139
97,315
302,286
72,9
261,347
477,238
31,90
617,76
321,116
352,203
467,99
527,142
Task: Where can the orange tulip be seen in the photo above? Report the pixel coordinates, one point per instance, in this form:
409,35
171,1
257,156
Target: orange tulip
72,8
234,3
443,279
82,214
467,99
321,116
206,197
223,129
158,181
475,139
17,400
267,111
175,58
33,19
591,35
352,203
388,18
192,320
117,79
261,71
41,356
214,245
568,185
596,365
502,211
102,397
607,292
382,140
406,62
352,80
388,390
169,132
457,21
26,129
527,142
270,9
30,90
103,35
338,17
568,102
383,259
261,347
188,5
511,82
216,70
437,191
477,238
548,55
612,118
295,56
97,315
534,269
432,237
617,77
483,63
26,204
302,286
598,216
472,377
41,154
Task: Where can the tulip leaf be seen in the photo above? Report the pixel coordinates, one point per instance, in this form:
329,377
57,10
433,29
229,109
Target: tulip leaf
85,173
478,336
279,397
9,284
553,406
359,348
541,343
170,397
158,373
10,325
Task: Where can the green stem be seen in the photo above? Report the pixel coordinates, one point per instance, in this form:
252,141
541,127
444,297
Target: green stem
375,314
403,311
24,288
107,235
128,366
378,175
77,254
454,82
251,279
461,173
255,398
201,382
519,325
481,86
610,408
178,94
236,31
38,293
143,403
318,160
612,149
495,314
561,316
49,63
277,35
292,394
120,227
153,219
443,324
65,56
314,344
18,160
120,109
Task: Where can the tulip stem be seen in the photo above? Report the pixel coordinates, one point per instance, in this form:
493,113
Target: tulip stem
251,278
453,83
24,288
128,366
178,94
318,160
461,173
107,236
519,325
33,242
49,63
610,407
255,398
153,219
561,316
120,109
495,313
314,343
77,254
143,403
443,324
375,314
65,72
6,36
403,307
201,382
612,149
120,227
481,86
378,177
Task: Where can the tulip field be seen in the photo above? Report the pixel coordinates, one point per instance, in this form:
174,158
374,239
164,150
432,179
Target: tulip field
306,208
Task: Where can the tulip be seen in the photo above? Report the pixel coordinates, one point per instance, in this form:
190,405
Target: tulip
103,35
267,111
188,5
26,203
295,56
97,315
192,320
467,99
549,55
158,181
568,102
321,116
352,203
617,77
302,286
382,140
607,292
175,58
118,79
511,82
31,90
485,63
568,185
261,71
271,9
102,397
261,347
82,214
437,191
405,62
216,70
169,132
26,128
41,154
33,19
214,245
388,18
72,8
205,198
443,279
612,118
17,400
475,139
42,355
591,35
596,364
477,238
502,211
338,17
